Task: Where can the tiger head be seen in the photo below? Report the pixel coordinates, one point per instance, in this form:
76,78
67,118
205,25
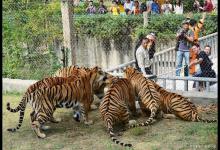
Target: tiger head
129,72
99,78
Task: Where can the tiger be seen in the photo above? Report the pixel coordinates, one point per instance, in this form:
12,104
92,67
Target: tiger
69,71
98,89
180,106
46,82
116,106
44,100
146,93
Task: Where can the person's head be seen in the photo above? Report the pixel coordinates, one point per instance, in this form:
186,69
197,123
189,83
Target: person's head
151,37
101,2
207,49
136,3
178,2
185,25
128,1
192,22
114,3
167,1
144,42
196,48
90,3
128,11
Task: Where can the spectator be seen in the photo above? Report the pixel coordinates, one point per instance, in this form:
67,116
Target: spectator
128,5
155,8
208,6
178,7
184,40
143,6
149,3
196,6
91,8
207,50
205,65
166,8
102,8
196,28
114,8
144,52
136,8
121,7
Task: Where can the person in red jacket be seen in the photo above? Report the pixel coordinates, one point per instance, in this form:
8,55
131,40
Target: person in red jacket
208,6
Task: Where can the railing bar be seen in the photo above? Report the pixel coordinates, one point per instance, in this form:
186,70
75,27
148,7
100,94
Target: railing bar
164,83
174,84
186,85
208,86
197,85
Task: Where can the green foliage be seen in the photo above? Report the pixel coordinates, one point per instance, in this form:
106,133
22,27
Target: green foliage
138,131
114,27
29,29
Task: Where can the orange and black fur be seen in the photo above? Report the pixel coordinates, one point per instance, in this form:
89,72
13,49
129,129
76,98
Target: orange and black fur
146,92
180,106
116,105
45,100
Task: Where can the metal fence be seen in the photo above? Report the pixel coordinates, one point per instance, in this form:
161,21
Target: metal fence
164,67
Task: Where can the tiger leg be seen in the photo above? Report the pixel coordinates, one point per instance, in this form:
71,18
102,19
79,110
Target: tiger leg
84,112
55,120
145,111
169,116
41,118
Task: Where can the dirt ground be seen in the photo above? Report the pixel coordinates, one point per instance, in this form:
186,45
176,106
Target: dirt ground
166,134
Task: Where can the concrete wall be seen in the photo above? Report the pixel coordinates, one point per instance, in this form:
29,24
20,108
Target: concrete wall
20,86
106,53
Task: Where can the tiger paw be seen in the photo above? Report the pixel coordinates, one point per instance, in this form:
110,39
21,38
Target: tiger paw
120,134
41,135
93,107
132,122
90,122
56,120
43,127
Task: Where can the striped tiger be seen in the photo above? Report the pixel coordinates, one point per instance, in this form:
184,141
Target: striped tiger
76,70
116,105
44,100
46,82
179,105
98,87
146,92
70,70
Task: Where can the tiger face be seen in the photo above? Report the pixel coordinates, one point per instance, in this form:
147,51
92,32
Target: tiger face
129,71
101,81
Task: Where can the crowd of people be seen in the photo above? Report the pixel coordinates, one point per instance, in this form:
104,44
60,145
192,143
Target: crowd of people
135,7
187,49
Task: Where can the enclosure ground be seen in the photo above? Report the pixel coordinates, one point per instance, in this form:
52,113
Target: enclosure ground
166,134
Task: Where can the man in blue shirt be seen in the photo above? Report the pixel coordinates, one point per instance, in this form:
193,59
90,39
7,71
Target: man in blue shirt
185,39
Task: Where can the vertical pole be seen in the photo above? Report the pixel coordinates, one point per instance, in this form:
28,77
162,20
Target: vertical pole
67,21
145,15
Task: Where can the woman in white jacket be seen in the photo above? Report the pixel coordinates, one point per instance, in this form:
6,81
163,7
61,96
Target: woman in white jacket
178,7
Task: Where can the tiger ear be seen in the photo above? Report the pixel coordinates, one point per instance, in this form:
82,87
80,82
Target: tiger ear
96,68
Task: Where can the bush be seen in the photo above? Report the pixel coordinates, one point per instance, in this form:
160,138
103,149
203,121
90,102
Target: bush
113,27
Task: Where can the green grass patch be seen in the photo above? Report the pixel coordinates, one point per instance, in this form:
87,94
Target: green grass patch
167,134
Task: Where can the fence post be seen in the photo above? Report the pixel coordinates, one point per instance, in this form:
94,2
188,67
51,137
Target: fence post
67,21
63,59
145,15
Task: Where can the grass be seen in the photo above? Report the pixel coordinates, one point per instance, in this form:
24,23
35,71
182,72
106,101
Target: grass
166,134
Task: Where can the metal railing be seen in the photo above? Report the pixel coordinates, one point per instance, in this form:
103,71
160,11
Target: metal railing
164,61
